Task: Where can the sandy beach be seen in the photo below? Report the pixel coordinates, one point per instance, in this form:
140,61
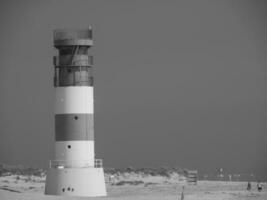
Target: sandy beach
14,187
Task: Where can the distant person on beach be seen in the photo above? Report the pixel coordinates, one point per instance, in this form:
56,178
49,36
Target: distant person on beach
249,186
259,186
182,195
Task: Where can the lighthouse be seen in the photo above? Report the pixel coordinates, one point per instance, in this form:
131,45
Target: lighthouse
74,171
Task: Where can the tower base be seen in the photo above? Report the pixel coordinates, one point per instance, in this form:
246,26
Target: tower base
87,182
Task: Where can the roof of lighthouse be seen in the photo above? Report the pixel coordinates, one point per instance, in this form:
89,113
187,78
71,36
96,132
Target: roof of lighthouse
73,37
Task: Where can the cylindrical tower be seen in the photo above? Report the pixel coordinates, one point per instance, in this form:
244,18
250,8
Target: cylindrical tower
73,82
74,170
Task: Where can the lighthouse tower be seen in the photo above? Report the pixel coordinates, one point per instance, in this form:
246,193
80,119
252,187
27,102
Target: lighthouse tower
74,171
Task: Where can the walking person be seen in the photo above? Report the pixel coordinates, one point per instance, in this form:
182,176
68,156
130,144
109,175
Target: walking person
182,195
249,186
259,186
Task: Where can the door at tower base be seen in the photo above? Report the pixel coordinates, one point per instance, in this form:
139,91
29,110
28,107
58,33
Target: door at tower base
87,182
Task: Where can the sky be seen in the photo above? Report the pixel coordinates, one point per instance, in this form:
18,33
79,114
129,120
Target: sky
177,83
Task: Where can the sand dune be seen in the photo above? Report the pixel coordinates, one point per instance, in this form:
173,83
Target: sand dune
134,186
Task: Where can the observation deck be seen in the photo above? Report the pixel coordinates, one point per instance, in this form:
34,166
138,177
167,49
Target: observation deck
69,37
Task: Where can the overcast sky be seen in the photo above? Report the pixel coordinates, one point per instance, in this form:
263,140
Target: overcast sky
177,83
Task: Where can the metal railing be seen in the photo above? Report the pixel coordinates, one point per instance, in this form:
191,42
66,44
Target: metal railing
61,164
76,60
98,163
67,34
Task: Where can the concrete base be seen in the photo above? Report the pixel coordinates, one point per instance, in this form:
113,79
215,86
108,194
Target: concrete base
87,182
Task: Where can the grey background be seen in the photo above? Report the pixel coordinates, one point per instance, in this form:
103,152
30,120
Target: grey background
177,83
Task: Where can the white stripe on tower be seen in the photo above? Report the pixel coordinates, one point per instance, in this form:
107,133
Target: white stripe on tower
77,153
74,99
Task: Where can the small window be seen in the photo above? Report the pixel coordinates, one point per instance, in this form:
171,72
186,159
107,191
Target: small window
63,189
69,146
68,188
72,189
76,117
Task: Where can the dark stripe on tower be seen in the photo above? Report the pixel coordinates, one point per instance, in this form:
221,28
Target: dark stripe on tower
69,127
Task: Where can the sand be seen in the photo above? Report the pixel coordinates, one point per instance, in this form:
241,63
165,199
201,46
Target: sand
151,188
